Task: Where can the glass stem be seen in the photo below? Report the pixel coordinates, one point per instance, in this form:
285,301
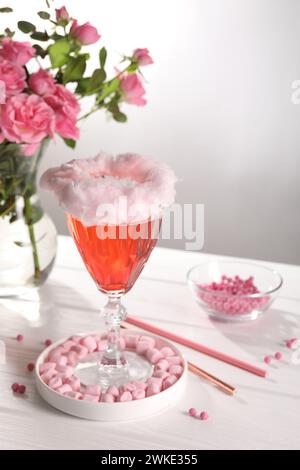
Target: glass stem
29,222
114,313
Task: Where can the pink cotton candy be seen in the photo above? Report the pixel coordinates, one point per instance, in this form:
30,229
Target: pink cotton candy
82,186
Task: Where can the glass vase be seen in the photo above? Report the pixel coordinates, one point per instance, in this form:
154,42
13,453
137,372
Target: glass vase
28,236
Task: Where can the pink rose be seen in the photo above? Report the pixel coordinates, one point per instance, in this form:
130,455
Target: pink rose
17,52
26,119
66,108
142,57
132,88
2,92
62,14
42,83
13,75
85,33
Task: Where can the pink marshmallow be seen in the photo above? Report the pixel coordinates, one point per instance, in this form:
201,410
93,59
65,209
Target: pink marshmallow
94,398
76,338
55,382
93,389
74,383
140,385
66,371
130,387
169,381
125,396
72,358
47,366
167,352
63,389
61,361
162,374
113,390
162,364
55,353
155,380
149,340
46,376
131,341
174,360
74,395
153,355
90,343
81,351
138,394
122,343
176,370
101,345
153,389
67,345
107,398
142,347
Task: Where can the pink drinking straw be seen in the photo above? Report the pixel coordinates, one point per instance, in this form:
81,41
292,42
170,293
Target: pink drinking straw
198,347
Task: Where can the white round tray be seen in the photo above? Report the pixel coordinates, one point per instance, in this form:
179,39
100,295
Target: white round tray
125,411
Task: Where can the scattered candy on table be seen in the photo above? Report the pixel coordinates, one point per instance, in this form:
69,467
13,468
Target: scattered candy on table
278,356
18,388
48,342
203,416
19,337
232,301
267,359
30,366
192,411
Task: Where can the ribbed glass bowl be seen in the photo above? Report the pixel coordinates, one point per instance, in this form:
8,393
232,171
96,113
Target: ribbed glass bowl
234,307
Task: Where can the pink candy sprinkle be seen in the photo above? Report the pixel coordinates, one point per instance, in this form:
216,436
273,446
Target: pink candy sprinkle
278,356
19,337
48,342
22,389
192,411
15,387
203,416
267,360
290,342
30,366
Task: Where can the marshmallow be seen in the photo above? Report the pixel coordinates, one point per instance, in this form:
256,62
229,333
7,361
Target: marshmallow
55,382
169,381
46,376
47,366
65,371
155,380
101,345
74,395
153,355
162,364
90,343
131,341
174,360
81,351
167,352
125,396
153,389
61,361
142,347
74,382
162,374
130,387
140,385
88,397
176,370
138,394
93,390
107,398
63,389
72,358
67,345
113,390
148,339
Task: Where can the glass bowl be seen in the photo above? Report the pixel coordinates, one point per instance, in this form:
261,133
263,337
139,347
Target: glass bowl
227,303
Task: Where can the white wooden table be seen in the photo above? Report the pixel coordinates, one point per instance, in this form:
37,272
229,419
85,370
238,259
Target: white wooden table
265,413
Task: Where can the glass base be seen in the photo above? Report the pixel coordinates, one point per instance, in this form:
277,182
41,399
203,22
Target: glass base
90,371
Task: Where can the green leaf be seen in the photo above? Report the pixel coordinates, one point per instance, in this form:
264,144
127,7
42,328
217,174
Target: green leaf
102,57
26,27
6,10
97,80
44,15
56,36
119,116
83,86
74,69
59,53
40,51
70,143
40,36
110,88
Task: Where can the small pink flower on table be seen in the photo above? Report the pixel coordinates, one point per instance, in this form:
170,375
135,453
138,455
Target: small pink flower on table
13,76
85,34
142,57
16,52
132,89
42,83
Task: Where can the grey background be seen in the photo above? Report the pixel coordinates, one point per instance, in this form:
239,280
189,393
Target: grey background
219,112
